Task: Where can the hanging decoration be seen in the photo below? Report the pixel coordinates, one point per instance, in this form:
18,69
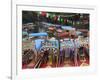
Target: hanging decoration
61,20
47,15
51,16
54,15
73,23
65,20
43,13
58,18
40,12
55,18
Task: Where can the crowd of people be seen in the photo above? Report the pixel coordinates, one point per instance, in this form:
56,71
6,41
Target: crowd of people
57,51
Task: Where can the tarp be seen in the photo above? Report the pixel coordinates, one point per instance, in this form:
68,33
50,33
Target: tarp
67,28
38,43
38,34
